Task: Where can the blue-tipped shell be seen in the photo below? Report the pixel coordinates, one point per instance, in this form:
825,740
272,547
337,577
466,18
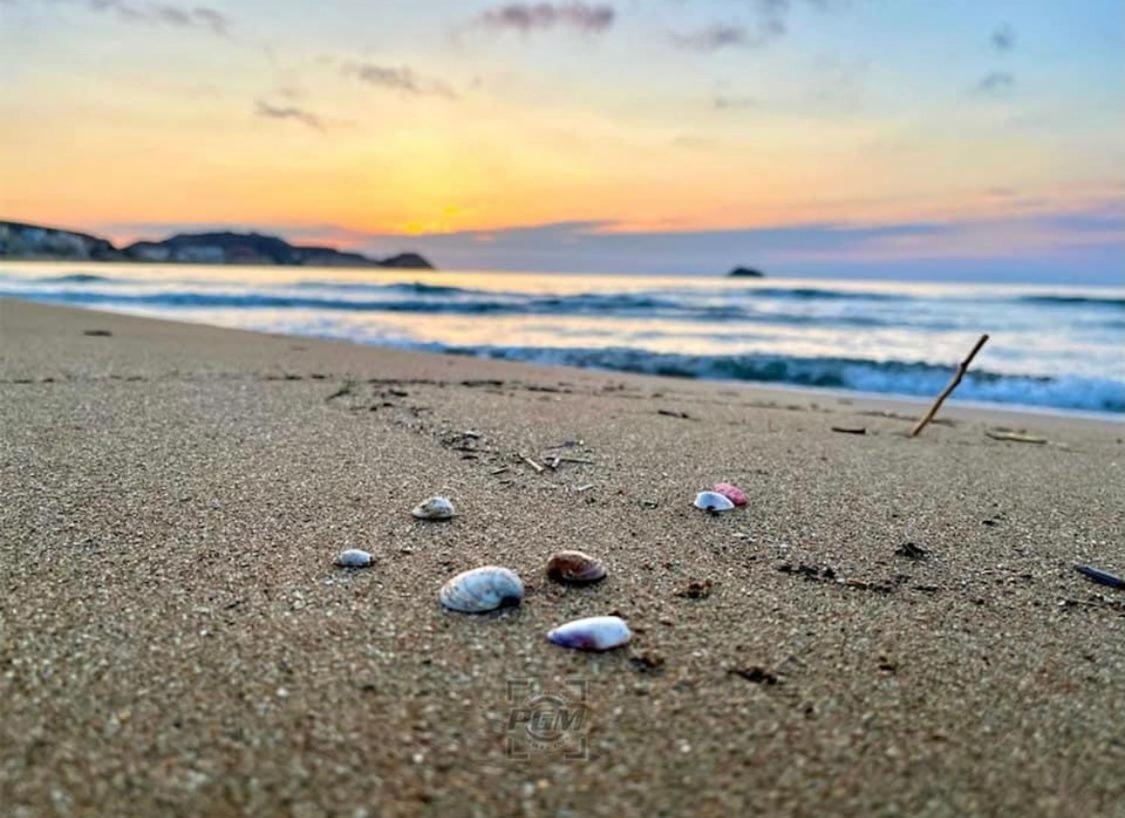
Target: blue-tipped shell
592,633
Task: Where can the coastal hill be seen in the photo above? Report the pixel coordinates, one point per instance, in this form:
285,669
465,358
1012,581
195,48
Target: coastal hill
30,241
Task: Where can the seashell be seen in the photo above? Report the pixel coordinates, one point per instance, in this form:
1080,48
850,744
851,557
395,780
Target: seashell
353,558
732,493
592,633
482,589
574,566
436,508
712,501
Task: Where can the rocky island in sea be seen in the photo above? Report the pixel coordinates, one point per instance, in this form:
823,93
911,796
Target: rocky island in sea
746,272
19,240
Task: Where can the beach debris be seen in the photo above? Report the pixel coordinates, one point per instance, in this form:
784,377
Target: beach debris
898,416
592,633
1099,576
810,572
712,501
345,389
538,468
1014,437
482,382
756,674
97,333
481,590
436,508
850,430
648,663
696,589
575,566
500,470
671,413
911,551
949,387
353,558
732,493
584,487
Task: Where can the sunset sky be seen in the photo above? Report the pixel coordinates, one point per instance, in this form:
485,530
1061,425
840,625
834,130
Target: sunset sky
913,138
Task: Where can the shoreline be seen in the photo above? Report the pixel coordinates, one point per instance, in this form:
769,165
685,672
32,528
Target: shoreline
898,402
893,625
1063,283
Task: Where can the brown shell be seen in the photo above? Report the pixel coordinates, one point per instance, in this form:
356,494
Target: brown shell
574,566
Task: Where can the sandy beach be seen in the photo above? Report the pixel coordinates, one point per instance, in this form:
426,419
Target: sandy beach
175,640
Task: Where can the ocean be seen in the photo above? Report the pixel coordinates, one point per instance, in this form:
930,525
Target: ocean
1058,347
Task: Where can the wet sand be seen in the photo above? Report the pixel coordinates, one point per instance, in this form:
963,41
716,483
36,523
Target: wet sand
174,639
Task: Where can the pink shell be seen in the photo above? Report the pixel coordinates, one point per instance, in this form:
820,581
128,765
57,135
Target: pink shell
732,493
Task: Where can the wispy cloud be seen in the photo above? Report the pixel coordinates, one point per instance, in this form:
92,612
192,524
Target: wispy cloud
526,17
179,16
713,37
399,78
769,20
1003,39
996,84
265,109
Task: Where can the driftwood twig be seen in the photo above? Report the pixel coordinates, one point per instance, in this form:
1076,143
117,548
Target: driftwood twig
949,387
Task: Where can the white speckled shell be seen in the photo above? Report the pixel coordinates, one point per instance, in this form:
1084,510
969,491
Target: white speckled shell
436,508
353,558
712,501
592,633
482,589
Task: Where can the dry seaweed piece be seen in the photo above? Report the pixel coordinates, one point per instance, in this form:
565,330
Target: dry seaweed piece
1014,437
911,551
757,675
696,589
850,430
1099,576
647,662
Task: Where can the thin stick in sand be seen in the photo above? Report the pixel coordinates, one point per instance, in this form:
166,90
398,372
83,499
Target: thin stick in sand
538,469
949,387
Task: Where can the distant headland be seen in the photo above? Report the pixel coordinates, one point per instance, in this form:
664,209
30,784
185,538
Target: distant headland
35,242
746,272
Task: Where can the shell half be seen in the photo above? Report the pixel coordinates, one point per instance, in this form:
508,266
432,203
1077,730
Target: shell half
481,590
592,633
436,508
353,558
574,566
732,493
712,501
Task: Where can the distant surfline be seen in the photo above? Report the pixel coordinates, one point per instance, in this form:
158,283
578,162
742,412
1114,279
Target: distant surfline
895,377
208,289
1073,300
467,302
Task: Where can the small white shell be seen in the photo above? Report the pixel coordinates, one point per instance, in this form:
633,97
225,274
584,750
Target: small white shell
436,508
482,589
712,501
353,558
592,633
